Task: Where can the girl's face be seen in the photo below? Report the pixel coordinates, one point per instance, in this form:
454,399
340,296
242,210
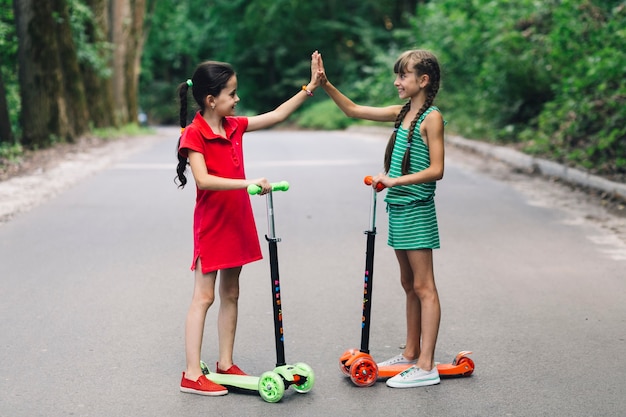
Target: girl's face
409,84
227,100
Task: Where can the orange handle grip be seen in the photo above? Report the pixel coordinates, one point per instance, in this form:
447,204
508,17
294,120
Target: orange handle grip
368,181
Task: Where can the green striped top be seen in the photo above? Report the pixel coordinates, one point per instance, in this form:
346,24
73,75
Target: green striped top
420,160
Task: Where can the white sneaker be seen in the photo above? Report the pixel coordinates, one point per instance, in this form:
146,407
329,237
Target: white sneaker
397,360
414,377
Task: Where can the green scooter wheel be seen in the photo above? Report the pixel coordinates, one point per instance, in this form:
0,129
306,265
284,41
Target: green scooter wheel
306,371
271,387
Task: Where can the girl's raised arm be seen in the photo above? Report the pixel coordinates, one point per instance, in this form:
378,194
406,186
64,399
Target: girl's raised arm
269,119
350,108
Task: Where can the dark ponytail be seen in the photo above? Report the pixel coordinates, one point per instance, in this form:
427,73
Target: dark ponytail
209,79
181,179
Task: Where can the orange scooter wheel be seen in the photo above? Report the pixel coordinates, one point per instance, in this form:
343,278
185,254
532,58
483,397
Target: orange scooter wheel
461,366
345,369
364,372
345,358
467,364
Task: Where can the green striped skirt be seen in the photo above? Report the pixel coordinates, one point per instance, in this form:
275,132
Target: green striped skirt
413,226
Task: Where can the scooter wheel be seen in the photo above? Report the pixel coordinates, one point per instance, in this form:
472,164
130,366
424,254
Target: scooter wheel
345,369
306,371
364,372
468,364
204,368
271,387
345,357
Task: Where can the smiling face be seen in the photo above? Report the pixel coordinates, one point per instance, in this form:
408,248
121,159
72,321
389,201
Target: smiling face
416,71
227,99
408,82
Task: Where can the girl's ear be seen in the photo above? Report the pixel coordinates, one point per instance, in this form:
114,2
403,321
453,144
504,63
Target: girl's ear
209,101
424,80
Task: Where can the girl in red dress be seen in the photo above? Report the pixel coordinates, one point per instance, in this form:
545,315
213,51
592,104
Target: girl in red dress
225,235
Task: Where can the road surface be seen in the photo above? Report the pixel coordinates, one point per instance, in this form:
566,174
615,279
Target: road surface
95,284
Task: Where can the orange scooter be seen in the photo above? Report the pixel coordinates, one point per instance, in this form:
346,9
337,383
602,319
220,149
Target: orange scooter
358,364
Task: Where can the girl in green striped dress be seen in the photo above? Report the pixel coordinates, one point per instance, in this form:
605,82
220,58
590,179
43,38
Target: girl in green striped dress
414,161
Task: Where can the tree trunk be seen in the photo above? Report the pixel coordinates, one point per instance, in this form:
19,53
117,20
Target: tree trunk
127,37
119,12
53,101
6,134
135,43
98,83
74,90
43,114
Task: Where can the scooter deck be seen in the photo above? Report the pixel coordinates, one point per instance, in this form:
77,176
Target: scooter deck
460,366
247,382
368,371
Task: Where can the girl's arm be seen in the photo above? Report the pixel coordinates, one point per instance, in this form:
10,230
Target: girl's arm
280,114
357,111
351,109
283,111
206,181
433,133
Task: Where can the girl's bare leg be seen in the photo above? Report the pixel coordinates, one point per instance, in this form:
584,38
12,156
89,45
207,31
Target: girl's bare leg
425,290
202,299
413,308
227,316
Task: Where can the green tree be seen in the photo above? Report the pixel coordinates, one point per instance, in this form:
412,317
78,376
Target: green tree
8,52
53,101
269,43
78,65
549,74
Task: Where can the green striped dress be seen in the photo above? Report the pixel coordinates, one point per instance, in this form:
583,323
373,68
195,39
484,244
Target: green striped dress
411,208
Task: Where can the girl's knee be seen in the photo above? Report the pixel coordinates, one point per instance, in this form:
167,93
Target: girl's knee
203,300
425,291
407,283
230,294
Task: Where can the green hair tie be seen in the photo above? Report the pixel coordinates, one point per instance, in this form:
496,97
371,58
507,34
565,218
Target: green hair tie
190,83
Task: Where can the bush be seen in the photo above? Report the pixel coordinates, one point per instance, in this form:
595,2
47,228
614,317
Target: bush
546,74
323,115
585,124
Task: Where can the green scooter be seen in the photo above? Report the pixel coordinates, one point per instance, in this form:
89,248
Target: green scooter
271,385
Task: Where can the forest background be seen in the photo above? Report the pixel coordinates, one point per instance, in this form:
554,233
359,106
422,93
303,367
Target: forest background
547,77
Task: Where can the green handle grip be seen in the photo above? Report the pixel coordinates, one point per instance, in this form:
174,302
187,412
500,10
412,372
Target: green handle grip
254,189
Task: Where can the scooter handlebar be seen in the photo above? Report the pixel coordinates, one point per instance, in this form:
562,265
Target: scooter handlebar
369,180
254,189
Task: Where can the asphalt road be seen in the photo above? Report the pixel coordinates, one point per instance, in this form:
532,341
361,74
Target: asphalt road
95,284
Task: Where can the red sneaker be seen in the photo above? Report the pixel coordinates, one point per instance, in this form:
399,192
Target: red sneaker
233,370
202,386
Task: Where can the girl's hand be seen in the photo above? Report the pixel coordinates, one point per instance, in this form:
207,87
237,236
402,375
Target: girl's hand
321,72
384,180
315,62
265,185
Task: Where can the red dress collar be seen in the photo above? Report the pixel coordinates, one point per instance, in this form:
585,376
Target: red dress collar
229,127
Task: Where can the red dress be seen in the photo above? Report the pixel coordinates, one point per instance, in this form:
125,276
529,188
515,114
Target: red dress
225,234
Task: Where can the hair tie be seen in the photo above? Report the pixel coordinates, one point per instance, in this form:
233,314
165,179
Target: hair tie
190,83
395,130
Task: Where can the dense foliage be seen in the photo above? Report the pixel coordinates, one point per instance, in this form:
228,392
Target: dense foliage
269,42
545,76
548,75
8,61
